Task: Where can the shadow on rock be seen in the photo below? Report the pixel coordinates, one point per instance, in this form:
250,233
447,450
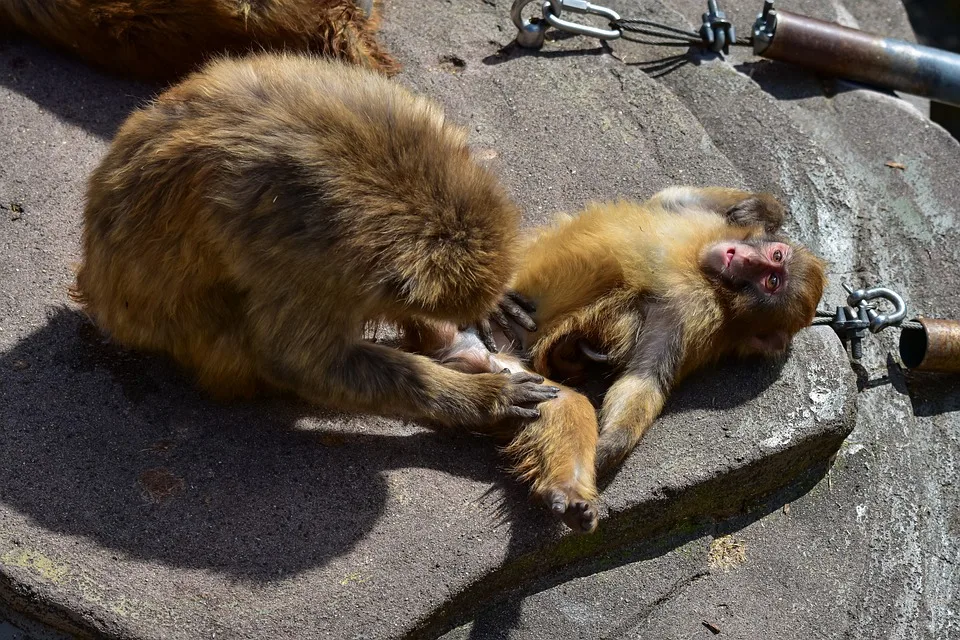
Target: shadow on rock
933,394
76,93
513,51
729,385
789,82
120,448
656,67
503,611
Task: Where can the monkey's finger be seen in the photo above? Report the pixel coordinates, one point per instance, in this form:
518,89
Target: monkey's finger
485,331
523,301
505,326
530,393
524,376
511,308
522,412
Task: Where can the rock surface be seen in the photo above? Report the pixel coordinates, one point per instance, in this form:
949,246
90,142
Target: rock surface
130,506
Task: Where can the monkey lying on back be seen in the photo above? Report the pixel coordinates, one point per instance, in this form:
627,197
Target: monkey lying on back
661,289
154,40
658,290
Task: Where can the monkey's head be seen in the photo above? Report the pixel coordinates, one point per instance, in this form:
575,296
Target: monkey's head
769,289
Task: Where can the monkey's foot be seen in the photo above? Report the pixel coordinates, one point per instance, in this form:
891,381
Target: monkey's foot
569,505
612,448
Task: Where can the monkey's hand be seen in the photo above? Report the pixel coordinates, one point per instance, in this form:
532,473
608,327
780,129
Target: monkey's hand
520,395
513,309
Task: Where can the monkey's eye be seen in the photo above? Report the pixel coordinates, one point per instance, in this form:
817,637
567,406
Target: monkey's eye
772,282
777,255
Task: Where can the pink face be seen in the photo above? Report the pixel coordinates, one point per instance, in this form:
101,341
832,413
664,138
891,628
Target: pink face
738,262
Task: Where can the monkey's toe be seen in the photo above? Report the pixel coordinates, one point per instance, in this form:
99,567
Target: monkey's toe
575,512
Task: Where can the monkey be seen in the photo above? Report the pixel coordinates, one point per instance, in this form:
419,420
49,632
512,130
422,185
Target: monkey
655,291
252,219
163,41
553,453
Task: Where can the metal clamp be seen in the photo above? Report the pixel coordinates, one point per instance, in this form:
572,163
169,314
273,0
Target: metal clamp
717,32
764,28
852,322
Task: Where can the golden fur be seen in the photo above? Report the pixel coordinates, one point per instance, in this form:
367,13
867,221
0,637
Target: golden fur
165,39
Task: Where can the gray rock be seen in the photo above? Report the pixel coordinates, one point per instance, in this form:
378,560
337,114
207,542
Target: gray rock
130,506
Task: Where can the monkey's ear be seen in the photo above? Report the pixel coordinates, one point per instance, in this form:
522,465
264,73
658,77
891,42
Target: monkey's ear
760,210
769,343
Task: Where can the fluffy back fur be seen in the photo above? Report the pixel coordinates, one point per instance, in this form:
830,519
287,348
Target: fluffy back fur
165,39
284,198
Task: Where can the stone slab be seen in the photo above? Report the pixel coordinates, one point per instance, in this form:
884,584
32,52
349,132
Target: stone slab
132,507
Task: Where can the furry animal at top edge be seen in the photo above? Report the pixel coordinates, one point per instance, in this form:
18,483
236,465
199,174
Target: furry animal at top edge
161,40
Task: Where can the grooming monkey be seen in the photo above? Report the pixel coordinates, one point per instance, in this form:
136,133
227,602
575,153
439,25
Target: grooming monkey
253,218
160,40
656,291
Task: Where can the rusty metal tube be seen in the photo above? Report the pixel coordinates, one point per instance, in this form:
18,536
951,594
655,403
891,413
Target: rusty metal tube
936,347
856,55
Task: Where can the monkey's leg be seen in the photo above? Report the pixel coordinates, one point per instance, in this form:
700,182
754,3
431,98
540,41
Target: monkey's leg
741,208
635,400
556,452
556,455
629,408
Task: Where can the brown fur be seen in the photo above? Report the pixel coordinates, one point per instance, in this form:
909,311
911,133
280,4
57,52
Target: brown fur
165,39
626,278
554,453
253,218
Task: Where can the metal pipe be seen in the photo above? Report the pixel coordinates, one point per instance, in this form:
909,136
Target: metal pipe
849,53
936,347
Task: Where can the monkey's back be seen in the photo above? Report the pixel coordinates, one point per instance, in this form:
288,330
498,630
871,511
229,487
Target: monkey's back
162,39
273,179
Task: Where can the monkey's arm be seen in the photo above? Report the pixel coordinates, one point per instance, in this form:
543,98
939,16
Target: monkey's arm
312,354
741,208
635,400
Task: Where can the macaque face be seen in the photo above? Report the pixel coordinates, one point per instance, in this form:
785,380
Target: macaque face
771,289
760,265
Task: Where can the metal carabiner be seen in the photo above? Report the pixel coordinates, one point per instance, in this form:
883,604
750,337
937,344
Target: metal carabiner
878,321
553,8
